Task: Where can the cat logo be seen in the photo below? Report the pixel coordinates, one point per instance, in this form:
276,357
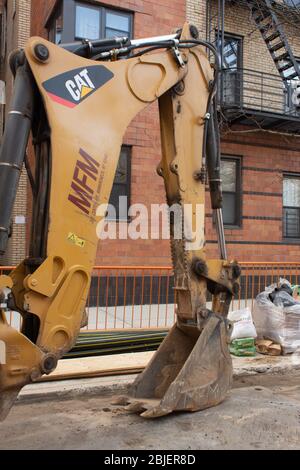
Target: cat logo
81,86
71,88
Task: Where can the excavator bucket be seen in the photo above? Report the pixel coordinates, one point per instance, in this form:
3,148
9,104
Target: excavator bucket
191,371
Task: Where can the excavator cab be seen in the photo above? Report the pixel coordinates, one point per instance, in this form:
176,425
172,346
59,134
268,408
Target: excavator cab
76,101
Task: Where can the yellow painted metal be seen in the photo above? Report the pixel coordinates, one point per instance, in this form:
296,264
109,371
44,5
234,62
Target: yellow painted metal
5,282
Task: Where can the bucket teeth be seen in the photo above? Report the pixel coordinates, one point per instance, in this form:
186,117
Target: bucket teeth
189,372
7,399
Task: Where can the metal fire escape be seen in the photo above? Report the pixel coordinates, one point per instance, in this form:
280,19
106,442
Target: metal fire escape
253,96
273,34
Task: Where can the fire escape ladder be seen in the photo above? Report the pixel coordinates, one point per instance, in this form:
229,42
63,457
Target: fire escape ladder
275,39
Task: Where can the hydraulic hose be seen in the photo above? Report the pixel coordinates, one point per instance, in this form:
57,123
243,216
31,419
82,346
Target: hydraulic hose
14,143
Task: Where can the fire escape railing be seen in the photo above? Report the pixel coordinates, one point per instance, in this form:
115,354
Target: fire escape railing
244,89
250,89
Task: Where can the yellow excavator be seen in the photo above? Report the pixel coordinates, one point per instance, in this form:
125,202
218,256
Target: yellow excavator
76,100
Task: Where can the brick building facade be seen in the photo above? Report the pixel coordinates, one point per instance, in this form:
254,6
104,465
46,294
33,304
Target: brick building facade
267,157
260,161
15,31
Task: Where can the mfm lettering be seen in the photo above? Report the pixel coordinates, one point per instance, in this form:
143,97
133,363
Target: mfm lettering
83,185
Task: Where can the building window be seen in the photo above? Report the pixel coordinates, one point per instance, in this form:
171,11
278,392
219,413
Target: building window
232,52
83,20
117,24
120,195
232,64
231,187
291,206
56,28
87,22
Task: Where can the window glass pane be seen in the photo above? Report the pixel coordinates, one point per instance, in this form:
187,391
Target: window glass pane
58,37
230,55
111,33
231,52
120,203
291,192
121,173
117,21
121,186
291,223
58,29
228,175
229,209
87,23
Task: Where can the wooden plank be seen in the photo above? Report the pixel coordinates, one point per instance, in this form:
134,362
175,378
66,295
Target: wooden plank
262,345
100,366
274,350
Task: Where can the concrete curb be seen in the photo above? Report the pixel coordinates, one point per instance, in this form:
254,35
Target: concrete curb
78,388
113,385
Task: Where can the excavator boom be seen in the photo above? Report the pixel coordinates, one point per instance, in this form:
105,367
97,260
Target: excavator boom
77,101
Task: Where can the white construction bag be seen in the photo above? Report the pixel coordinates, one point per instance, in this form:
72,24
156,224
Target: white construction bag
243,326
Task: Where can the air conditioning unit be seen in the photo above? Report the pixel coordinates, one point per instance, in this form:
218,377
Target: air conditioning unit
295,93
292,98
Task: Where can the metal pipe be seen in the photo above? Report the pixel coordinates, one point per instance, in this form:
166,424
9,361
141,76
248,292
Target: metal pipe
220,233
14,143
88,48
153,40
214,177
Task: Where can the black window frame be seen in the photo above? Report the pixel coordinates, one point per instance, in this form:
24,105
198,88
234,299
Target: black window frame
238,193
284,235
68,9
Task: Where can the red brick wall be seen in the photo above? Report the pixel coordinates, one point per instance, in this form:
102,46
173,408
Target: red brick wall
40,10
265,158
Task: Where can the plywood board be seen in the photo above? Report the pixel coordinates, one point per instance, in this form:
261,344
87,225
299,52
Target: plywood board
100,366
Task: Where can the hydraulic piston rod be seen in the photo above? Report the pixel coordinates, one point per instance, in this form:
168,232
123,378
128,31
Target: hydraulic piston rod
14,143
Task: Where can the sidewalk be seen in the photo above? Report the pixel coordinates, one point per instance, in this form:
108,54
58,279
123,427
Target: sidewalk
132,316
109,375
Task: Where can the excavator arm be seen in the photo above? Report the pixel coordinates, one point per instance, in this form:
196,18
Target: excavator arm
77,101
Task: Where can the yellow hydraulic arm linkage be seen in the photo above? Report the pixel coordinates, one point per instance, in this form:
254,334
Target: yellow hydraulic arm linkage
78,100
